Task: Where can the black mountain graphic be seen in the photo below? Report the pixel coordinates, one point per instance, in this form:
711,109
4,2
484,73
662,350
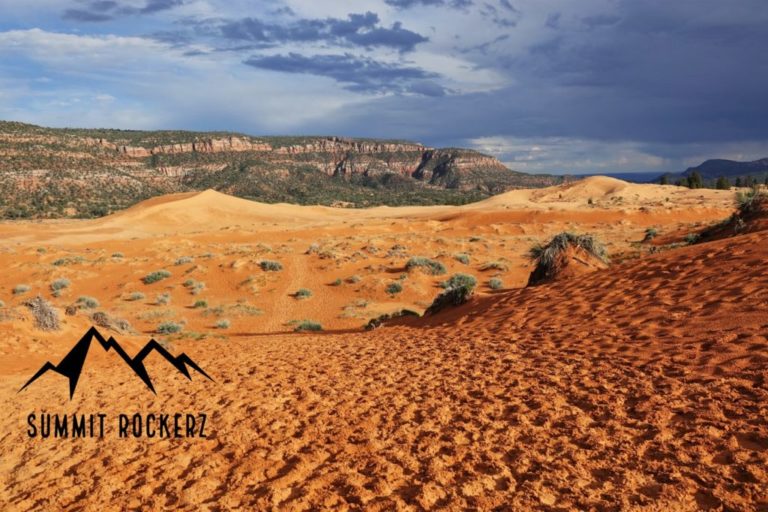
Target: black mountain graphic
72,364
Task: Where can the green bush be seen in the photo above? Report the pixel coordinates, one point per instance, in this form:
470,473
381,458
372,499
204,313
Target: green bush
163,299
650,234
156,276
303,293
60,284
223,324
118,255
271,266
136,296
460,280
495,284
68,261
692,238
87,302
394,288
494,265
200,304
546,255
183,260
337,282
462,257
169,328
308,325
430,266
21,288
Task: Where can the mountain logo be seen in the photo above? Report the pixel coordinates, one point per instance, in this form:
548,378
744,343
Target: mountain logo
72,365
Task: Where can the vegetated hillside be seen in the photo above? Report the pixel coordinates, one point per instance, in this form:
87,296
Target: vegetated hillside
736,173
47,172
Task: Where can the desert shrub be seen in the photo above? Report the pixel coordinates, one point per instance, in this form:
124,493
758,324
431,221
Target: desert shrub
377,322
271,266
430,266
749,201
60,284
118,255
223,324
548,258
303,293
313,249
87,302
136,296
650,234
451,297
308,325
169,328
200,304
163,299
21,288
189,283
692,238
495,284
183,260
546,255
46,317
354,279
462,257
460,280
475,239
104,320
156,276
394,288
68,261
337,282
494,265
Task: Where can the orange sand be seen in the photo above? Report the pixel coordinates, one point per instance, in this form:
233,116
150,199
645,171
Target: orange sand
640,387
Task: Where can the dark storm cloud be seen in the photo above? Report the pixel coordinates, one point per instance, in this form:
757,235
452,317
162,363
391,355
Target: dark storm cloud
358,74
85,15
501,16
653,72
407,4
106,10
356,30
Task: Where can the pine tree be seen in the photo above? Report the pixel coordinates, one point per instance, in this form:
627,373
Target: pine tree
722,183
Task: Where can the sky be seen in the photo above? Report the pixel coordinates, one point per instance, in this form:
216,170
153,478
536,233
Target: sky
554,86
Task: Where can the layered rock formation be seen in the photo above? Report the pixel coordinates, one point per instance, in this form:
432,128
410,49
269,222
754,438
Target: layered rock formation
131,166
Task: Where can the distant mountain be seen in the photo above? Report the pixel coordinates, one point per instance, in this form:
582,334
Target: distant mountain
47,172
711,170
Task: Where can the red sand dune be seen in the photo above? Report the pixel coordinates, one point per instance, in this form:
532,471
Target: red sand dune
641,387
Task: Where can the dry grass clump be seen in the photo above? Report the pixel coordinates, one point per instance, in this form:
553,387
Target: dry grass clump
459,288
307,325
46,317
271,266
21,288
377,322
156,276
102,319
302,293
546,255
432,267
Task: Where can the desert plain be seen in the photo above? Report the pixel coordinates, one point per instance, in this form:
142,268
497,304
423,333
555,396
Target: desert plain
639,387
